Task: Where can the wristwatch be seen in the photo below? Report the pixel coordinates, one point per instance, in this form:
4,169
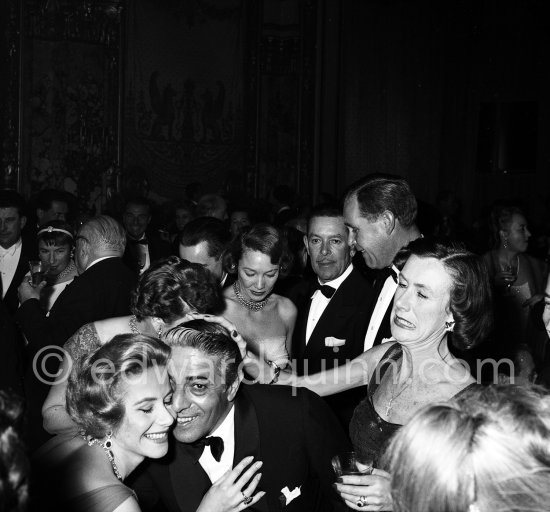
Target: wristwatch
276,371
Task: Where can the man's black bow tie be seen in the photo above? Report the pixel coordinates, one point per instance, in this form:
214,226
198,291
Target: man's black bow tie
215,443
326,290
142,241
390,271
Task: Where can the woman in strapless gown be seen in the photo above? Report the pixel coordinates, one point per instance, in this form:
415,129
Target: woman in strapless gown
264,319
166,292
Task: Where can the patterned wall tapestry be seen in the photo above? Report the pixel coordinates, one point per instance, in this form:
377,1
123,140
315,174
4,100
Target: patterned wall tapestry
183,113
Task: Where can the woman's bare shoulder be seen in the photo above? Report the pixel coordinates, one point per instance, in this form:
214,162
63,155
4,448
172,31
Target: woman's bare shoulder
110,327
286,306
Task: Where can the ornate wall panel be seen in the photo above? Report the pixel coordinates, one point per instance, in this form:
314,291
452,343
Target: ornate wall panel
66,60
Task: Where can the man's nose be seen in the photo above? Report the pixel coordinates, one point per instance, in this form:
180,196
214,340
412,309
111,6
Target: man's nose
325,248
179,400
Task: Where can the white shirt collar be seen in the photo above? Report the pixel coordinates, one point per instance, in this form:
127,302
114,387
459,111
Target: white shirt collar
10,251
98,260
226,430
335,283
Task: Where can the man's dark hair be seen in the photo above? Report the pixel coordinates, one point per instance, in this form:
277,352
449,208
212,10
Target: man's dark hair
137,201
12,199
378,193
45,199
206,229
212,339
324,210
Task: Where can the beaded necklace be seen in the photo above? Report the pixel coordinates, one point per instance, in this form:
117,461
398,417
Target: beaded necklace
248,304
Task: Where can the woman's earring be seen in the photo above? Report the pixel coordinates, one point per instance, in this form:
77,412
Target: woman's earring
449,326
108,443
505,243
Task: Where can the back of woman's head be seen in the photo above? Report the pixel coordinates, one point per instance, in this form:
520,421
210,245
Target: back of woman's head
96,387
470,296
170,285
263,238
485,451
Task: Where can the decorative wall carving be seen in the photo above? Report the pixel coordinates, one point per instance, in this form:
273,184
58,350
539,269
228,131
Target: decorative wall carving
67,65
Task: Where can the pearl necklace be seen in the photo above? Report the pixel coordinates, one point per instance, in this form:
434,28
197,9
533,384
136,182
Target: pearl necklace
71,267
248,304
106,445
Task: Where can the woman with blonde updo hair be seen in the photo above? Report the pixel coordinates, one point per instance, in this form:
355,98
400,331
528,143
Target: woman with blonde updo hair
487,450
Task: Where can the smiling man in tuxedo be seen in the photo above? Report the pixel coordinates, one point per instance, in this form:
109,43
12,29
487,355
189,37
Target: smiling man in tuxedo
220,421
331,323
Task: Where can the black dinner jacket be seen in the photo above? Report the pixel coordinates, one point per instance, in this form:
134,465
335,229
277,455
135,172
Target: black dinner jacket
28,252
102,291
345,317
294,436
158,248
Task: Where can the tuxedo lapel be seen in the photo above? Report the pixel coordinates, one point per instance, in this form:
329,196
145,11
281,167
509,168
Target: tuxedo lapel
189,480
247,439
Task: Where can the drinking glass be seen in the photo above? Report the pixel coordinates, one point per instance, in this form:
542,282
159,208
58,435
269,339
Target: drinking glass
350,463
38,271
512,270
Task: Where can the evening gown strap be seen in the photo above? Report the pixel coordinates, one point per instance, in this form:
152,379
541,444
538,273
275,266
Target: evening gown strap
369,432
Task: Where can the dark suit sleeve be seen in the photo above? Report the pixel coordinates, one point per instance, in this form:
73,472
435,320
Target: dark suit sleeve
87,299
144,486
324,439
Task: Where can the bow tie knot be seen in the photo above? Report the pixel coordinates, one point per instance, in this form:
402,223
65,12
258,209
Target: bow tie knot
215,443
326,290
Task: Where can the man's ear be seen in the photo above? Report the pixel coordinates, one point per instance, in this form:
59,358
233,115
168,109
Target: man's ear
389,220
39,214
305,243
23,221
234,387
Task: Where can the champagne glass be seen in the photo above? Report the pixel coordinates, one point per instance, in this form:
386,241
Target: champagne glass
351,463
512,271
38,270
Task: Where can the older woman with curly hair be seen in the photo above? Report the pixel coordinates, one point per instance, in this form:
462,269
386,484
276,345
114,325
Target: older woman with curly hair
443,299
487,450
166,293
265,320
119,397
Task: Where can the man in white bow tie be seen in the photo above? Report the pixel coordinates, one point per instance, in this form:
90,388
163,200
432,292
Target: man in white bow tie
220,421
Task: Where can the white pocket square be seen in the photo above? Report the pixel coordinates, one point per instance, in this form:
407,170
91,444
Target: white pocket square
330,341
290,495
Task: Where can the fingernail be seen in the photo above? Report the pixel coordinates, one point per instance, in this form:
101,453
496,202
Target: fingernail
259,464
258,476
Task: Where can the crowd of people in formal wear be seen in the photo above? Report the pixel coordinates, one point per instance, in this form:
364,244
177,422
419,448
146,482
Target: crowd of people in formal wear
225,358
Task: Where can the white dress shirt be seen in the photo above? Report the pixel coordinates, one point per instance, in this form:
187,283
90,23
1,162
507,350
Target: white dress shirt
382,304
319,302
226,431
9,259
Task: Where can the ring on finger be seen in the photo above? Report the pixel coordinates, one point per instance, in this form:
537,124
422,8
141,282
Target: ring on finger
246,499
361,502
